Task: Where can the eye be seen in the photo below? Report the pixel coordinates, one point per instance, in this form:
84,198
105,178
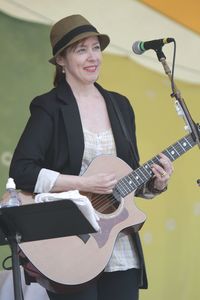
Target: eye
97,47
81,50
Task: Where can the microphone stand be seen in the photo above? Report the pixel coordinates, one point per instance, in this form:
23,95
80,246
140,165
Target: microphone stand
182,108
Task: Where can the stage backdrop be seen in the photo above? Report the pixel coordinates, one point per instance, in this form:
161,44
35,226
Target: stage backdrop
170,235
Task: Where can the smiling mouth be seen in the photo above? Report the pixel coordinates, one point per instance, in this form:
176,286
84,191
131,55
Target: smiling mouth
91,69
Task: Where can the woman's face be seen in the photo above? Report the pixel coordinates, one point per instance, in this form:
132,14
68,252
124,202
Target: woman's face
82,61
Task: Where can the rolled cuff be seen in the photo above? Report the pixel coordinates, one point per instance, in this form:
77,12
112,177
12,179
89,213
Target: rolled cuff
45,181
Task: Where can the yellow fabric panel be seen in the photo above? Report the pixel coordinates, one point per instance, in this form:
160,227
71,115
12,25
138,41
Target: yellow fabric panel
183,12
170,235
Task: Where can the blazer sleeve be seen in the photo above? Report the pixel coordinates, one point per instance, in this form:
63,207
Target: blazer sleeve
29,155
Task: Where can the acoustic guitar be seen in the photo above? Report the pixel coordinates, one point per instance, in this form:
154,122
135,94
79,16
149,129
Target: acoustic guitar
71,262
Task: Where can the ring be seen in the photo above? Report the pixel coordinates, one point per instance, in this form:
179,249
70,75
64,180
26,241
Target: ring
163,174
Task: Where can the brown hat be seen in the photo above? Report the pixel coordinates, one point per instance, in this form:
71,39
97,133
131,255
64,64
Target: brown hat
70,30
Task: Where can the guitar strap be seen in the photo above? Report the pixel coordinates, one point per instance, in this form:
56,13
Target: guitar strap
124,129
143,276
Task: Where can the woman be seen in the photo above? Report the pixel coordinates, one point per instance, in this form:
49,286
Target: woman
71,125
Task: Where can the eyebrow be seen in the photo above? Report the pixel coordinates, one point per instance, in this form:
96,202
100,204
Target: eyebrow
83,45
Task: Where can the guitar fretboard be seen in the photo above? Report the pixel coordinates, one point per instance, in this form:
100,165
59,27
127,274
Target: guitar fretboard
141,175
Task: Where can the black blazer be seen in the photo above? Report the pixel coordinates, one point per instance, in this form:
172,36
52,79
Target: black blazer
53,139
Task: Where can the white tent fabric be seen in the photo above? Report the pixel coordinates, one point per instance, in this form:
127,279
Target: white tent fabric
125,22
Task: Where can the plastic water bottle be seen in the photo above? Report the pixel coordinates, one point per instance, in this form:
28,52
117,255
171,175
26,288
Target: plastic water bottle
14,199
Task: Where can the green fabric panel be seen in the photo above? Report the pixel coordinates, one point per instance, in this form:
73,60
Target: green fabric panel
24,74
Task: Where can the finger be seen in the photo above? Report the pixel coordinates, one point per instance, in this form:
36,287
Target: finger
162,155
167,166
108,192
111,175
165,159
104,191
160,173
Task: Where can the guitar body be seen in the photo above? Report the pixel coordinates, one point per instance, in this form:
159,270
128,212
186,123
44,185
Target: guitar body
71,261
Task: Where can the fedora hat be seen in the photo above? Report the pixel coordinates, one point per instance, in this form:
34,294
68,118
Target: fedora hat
73,29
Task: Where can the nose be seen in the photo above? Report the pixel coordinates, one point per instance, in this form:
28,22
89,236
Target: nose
91,54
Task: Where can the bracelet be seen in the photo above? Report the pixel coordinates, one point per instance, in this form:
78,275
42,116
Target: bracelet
152,189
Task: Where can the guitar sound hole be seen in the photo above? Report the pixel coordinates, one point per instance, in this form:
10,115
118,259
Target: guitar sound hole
106,203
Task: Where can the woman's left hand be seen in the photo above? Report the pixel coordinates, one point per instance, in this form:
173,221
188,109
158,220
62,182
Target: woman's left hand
162,172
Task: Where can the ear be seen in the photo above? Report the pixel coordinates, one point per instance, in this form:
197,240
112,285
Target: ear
60,60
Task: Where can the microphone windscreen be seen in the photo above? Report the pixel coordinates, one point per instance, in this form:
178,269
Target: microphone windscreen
136,48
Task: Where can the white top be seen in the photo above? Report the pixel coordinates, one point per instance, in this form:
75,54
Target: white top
124,255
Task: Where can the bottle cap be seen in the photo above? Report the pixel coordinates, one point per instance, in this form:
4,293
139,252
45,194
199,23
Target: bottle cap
10,184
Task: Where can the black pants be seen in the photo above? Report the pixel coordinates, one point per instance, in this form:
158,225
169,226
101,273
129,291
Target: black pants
120,285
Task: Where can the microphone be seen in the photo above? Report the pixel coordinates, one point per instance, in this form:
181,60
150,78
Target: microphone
140,47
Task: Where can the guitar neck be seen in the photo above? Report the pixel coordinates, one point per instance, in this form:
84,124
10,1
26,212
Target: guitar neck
141,175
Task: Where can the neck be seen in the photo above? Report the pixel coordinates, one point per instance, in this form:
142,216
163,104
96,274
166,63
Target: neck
81,89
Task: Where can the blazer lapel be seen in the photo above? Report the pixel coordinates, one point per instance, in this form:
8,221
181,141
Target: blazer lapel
73,126
122,146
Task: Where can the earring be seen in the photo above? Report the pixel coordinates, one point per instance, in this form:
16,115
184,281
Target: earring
63,70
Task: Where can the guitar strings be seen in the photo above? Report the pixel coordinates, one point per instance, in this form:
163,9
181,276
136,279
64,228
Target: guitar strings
105,201
99,202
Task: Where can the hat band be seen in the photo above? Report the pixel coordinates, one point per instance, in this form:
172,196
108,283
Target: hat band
70,35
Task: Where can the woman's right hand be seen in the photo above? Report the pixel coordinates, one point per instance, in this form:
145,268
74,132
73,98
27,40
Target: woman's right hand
102,183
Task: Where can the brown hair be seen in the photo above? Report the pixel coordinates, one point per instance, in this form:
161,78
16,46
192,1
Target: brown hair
59,75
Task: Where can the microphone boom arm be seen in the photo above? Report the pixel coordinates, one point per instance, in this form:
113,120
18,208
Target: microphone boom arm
190,124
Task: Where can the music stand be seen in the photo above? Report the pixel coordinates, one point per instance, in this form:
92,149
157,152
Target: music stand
39,221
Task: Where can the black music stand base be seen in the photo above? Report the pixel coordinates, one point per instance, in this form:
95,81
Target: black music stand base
17,283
